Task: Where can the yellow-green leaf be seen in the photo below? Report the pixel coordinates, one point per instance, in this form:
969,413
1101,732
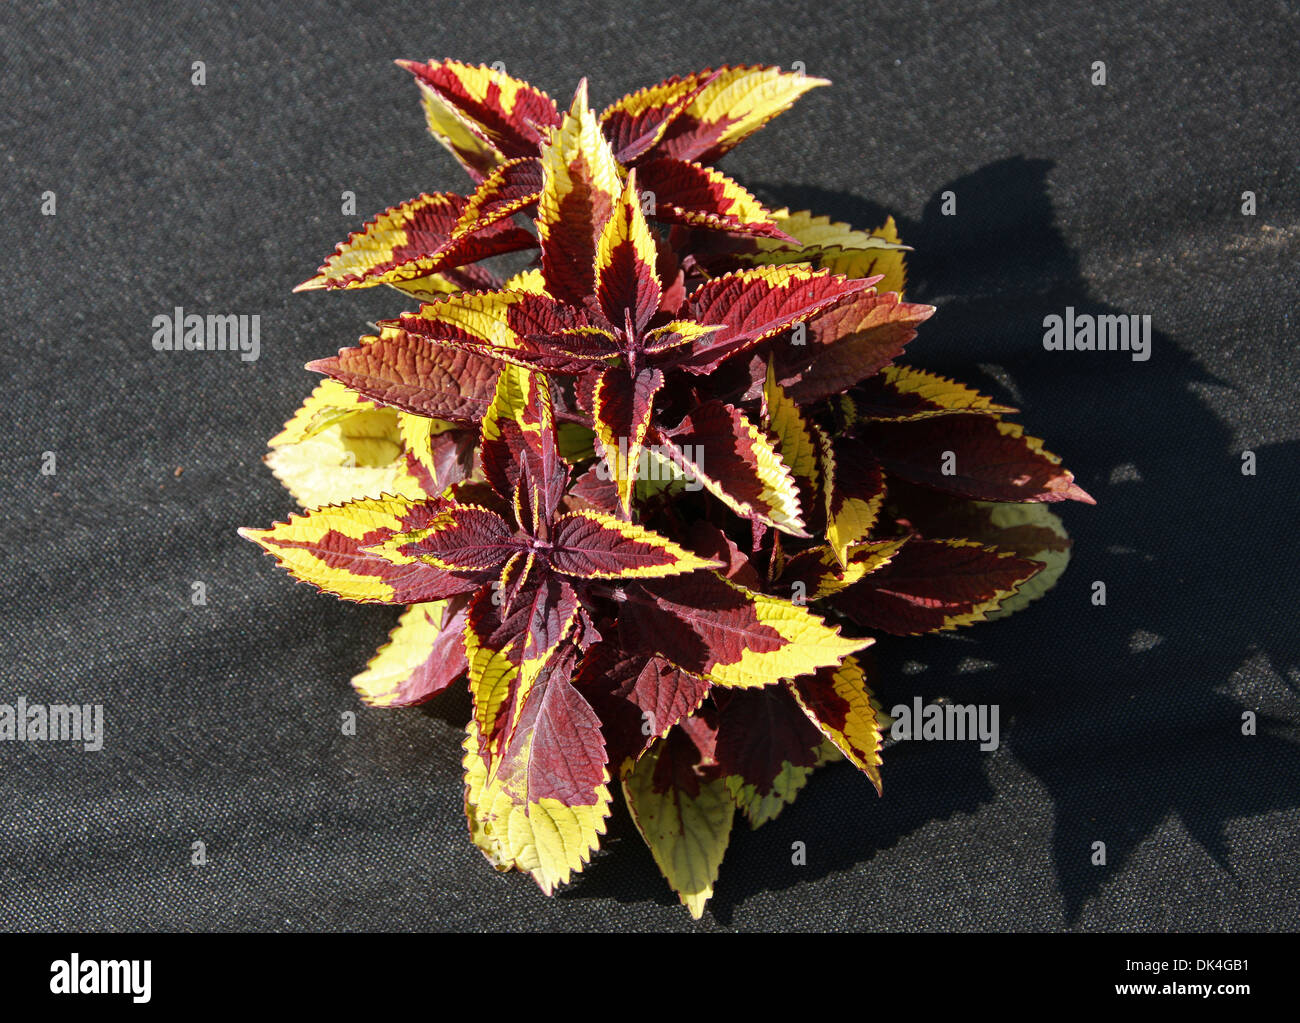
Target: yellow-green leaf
795,439
687,832
841,249
545,838
1033,522
838,701
423,655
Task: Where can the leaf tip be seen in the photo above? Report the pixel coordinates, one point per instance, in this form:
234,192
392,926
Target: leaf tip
1074,492
257,536
579,98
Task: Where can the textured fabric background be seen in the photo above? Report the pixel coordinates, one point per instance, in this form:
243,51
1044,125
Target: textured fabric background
1119,724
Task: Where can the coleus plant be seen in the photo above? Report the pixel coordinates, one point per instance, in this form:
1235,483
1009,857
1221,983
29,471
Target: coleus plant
653,496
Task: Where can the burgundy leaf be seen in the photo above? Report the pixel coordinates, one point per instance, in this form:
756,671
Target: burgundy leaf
410,374
760,731
638,697
556,750
465,539
849,342
973,455
757,304
931,585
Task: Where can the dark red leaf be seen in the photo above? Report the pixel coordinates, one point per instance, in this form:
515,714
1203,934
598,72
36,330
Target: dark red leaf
974,455
556,750
638,697
850,342
757,304
760,731
411,374
465,539
930,585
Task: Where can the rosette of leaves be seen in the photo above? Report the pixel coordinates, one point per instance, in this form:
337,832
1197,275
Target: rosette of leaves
652,497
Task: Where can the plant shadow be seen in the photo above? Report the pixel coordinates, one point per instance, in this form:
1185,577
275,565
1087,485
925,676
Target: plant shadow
1126,713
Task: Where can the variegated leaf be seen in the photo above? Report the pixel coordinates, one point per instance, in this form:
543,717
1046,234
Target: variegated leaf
512,188
626,283
836,247
425,653
635,123
538,802
508,646
506,112
414,240
839,702
726,633
753,305
726,453
854,489
334,549
581,186
934,585
697,196
766,748
796,441
901,393
588,544
734,103
684,812
621,412
461,538
816,573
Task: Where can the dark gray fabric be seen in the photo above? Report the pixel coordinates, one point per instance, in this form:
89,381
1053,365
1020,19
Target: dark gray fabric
1120,724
